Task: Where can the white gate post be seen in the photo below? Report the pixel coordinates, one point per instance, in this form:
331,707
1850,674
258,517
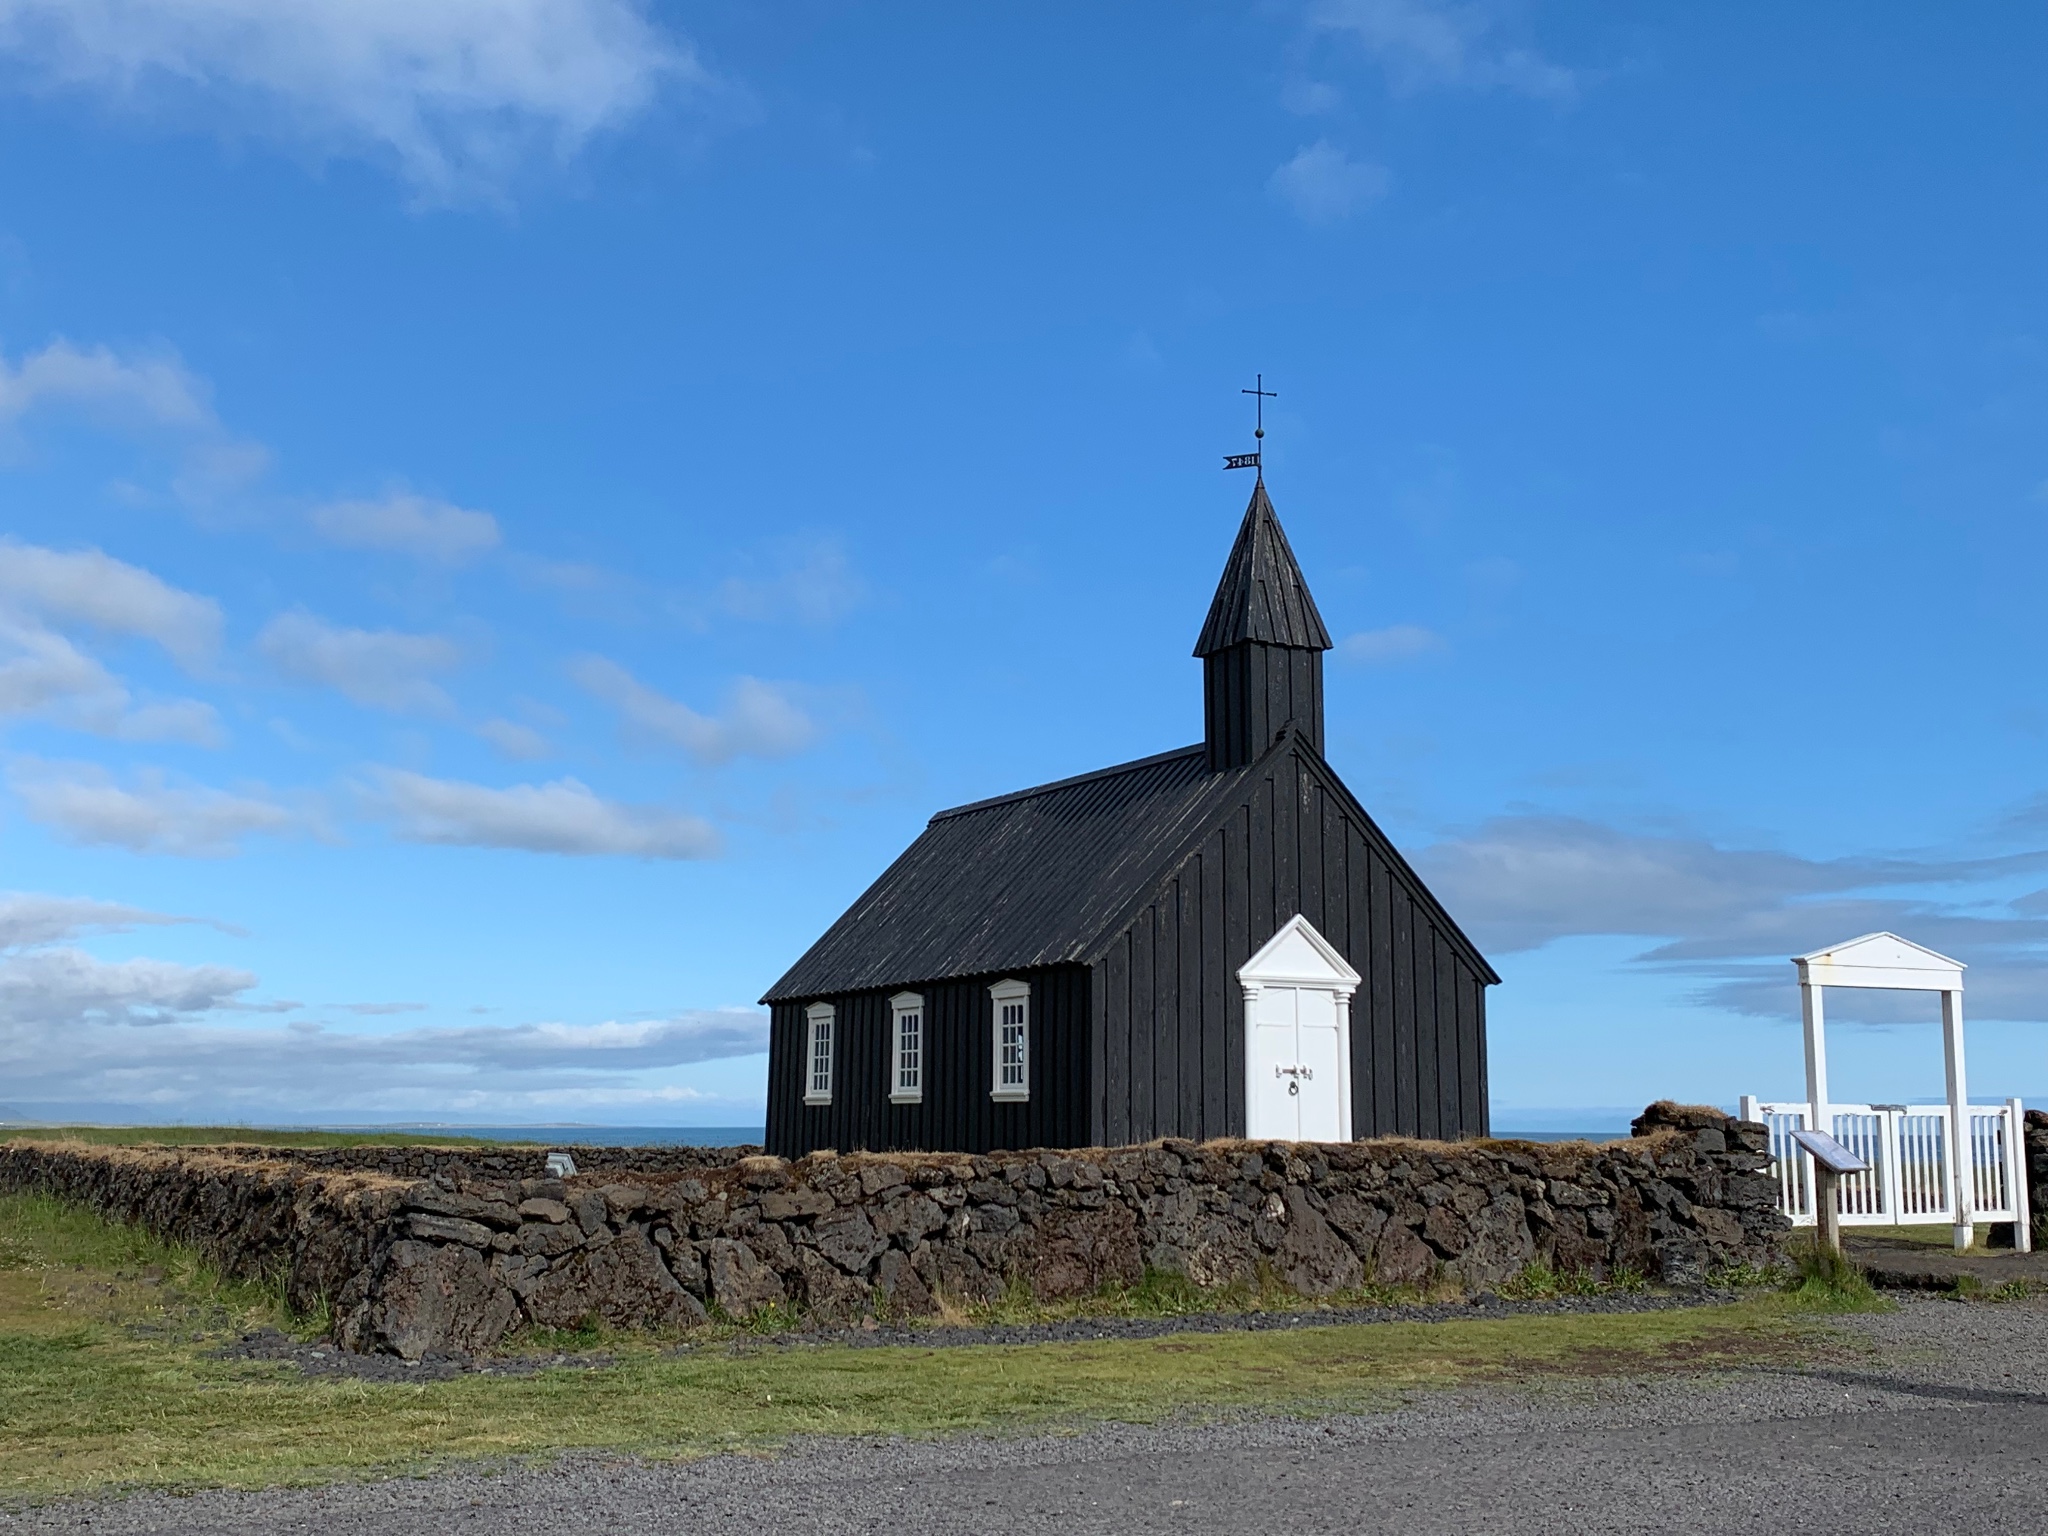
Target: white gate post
1964,1162
2022,1196
1810,1008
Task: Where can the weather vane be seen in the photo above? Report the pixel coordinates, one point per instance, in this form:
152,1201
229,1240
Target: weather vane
1252,460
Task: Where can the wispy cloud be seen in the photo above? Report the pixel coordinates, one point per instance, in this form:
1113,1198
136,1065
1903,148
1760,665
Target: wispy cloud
68,987
1729,916
1432,43
759,719
151,394
178,1038
150,813
1397,642
192,1060
44,674
563,816
379,668
87,587
29,918
1323,184
809,582
460,93
522,743
406,524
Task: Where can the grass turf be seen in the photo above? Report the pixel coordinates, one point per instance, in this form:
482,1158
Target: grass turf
108,1377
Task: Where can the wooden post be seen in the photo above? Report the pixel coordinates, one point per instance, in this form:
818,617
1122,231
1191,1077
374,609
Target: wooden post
1827,1216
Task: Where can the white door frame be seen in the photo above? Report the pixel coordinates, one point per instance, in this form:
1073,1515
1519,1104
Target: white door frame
1298,956
1889,963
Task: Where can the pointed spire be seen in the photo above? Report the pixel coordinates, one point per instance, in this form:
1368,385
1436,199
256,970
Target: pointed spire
1262,595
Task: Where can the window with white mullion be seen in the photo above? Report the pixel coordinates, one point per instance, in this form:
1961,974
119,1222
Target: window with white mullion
907,1035
1012,1042
818,1054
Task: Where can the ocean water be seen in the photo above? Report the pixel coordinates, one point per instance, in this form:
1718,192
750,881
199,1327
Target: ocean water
1607,1135
584,1135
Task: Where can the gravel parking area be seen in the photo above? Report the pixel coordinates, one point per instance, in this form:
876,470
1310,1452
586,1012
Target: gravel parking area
1933,1415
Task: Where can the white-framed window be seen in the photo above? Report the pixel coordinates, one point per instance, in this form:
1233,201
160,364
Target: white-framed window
818,1054
906,1033
1012,1001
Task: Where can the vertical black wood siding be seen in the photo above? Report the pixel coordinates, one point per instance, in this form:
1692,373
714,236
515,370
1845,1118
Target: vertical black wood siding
1251,690
1171,1055
957,1114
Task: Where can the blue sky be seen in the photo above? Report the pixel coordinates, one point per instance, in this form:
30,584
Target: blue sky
516,510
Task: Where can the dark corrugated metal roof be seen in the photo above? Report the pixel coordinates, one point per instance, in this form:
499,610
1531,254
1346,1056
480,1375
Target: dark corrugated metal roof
1262,595
1026,879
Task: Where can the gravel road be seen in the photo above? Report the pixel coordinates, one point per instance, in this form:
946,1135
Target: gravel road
1935,1417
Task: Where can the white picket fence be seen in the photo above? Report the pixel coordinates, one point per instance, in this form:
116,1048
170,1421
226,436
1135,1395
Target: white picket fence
1912,1156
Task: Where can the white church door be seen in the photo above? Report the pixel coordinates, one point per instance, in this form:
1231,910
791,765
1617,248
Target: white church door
1297,1002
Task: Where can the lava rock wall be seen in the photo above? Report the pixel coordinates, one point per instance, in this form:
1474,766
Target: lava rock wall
460,1257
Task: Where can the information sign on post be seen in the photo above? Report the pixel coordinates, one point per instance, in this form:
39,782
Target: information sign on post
1830,1161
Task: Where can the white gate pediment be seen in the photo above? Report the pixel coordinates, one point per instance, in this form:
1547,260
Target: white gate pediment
1881,960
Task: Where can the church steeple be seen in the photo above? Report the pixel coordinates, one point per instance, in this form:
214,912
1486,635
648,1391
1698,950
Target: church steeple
1261,646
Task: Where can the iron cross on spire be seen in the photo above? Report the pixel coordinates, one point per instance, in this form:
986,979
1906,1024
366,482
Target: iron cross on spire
1253,460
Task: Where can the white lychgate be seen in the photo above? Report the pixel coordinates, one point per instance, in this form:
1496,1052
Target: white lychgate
1955,1163
1297,1037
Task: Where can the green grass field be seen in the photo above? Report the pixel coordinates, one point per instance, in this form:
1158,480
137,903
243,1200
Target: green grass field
109,1377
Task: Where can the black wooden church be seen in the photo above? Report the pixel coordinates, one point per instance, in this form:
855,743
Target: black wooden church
1217,941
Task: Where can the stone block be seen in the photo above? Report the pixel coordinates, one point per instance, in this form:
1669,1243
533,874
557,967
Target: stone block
740,1283
848,1238
549,1240
588,1208
899,1288
1402,1258
447,1229
785,1204
430,1297
830,1296
1312,1259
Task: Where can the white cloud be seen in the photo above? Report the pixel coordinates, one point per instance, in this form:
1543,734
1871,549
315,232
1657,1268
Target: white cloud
1397,642
380,668
409,525
563,816
1427,43
1310,98
519,742
1730,916
90,588
27,918
459,92
816,584
1322,183
44,676
759,719
145,1033
132,393
206,1066
149,814
155,390
68,988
